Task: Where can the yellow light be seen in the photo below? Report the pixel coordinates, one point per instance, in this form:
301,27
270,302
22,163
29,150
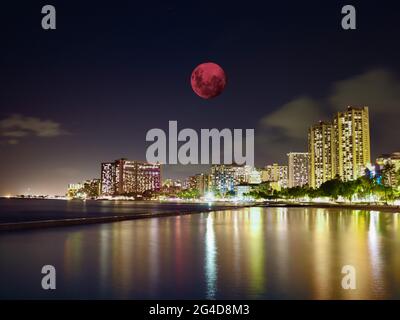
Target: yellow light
8,196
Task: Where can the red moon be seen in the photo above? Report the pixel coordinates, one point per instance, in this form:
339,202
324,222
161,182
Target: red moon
208,80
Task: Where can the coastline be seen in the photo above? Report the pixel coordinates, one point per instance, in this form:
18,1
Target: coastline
65,222
325,205
38,224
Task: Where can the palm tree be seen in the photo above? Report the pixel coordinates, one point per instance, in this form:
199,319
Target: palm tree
388,173
398,178
388,179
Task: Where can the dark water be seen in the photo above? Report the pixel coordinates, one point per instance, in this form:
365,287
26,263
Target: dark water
19,210
249,253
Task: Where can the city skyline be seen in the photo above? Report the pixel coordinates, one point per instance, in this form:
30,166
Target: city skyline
311,168
336,149
71,104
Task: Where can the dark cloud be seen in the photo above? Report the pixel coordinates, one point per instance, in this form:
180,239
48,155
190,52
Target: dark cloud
379,89
292,119
285,129
18,126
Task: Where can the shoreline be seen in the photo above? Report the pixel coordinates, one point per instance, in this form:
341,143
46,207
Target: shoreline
323,205
38,224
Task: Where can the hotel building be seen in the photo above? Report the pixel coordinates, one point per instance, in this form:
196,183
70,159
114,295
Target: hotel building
298,163
320,149
277,175
107,179
123,177
352,143
224,178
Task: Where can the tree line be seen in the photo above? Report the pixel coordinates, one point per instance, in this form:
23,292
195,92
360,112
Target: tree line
381,187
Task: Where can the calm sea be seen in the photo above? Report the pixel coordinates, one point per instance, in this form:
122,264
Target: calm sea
247,253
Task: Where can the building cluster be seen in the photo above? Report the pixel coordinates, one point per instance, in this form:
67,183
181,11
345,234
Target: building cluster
86,189
336,148
340,147
121,177
235,180
129,178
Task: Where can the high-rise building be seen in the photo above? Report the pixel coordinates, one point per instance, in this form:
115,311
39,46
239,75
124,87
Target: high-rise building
340,148
298,163
123,177
107,178
351,143
224,178
277,175
148,177
320,149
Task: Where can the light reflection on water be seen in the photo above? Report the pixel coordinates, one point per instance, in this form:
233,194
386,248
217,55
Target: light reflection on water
210,265
255,253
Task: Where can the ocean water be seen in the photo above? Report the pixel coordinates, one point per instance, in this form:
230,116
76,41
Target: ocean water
245,253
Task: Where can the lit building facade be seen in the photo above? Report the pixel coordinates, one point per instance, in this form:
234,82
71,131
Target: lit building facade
148,177
107,178
251,175
224,178
75,190
351,143
91,188
340,148
298,164
84,190
277,175
254,177
171,188
320,149
124,177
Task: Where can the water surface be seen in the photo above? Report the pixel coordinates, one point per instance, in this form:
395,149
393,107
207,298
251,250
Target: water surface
248,253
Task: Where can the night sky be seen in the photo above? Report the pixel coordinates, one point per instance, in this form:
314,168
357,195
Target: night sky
89,91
